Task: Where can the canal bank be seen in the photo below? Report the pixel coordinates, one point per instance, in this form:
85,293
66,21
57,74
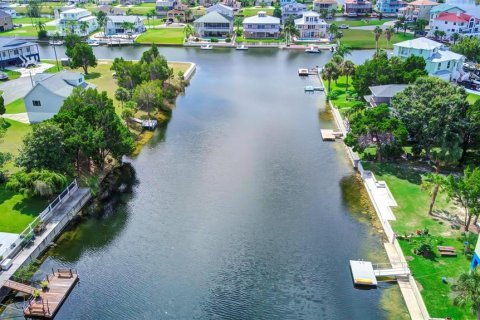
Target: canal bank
238,208
382,200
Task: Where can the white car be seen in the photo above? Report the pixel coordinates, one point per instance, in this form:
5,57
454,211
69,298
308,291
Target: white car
343,26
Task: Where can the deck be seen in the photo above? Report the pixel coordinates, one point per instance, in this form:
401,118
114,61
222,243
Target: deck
46,306
330,134
363,273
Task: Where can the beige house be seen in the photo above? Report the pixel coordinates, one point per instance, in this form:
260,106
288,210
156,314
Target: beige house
329,5
419,9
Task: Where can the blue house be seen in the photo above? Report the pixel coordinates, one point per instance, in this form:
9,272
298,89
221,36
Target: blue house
17,52
390,6
292,10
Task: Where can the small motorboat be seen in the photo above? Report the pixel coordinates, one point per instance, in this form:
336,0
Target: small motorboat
241,47
93,44
206,47
56,42
312,50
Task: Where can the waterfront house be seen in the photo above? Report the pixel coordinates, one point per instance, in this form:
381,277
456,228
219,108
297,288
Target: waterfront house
261,26
176,15
383,94
213,24
329,5
222,9
49,92
206,3
390,7
163,6
114,25
436,10
311,26
292,10
419,9
353,8
263,3
5,21
235,5
440,61
455,22
8,9
111,11
17,52
71,21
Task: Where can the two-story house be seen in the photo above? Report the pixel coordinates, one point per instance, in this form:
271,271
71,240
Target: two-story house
455,22
78,21
440,61
5,21
221,8
329,5
17,52
49,92
443,7
116,25
292,10
418,9
311,26
214,24
163,6
353,8
261,26
390,7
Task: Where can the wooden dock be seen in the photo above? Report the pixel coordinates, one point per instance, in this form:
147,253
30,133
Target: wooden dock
150,124
330,134
47,304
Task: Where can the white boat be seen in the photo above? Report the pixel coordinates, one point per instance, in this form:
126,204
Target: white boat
94,44
206,47
241,47
56,43
312,50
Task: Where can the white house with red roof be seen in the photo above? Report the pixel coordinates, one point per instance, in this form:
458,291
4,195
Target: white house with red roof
455,22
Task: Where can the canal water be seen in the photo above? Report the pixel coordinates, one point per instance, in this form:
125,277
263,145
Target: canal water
237,209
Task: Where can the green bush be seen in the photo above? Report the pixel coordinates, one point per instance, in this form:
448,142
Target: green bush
42,34
213,40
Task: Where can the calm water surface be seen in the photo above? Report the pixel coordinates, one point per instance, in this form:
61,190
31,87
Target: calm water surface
238,209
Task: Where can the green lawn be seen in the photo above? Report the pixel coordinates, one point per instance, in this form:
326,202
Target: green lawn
429,273
278,40
252,11
25,31
12,140
472,97
28,20
17,106
365,39
343,100
45,8
361,23
172,36
17,211
412,215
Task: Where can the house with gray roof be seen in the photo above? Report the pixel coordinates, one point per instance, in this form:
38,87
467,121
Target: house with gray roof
49,92
115,25
383,94
213,24
221,8
5,21
17,52
292,10
261,26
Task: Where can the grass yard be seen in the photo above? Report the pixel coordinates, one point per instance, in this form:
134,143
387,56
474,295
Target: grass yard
412,214
362,23
471,97
17,211
343,101
25,31
138,9
429,273
173,36
11,74
365,39
252,11
17,106
278,40
12,140
45,8
28,20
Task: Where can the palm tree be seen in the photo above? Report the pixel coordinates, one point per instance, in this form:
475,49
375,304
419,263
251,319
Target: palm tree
389,34
122,95
128,26
378,32
397,25
420,25
333,30
337,59
442,34
328,73
153,13
84,27
149,15
290,31
348,68
434,181
468,291
436,34
40,25
238,22
343,50
455,37
189,31
71,26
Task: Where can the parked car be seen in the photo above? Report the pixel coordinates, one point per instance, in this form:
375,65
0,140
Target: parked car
343,26
3,76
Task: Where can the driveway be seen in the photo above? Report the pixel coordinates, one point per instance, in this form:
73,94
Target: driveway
15,89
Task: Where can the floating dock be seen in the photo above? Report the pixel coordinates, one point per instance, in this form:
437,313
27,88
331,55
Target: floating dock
363,273
146,124
330,134
312,89
47,304
307,72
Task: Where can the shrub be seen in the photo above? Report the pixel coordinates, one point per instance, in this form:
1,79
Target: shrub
42,34
213,40
43,183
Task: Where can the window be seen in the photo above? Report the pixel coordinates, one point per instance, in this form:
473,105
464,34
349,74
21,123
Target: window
448,65
439,66
36,103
